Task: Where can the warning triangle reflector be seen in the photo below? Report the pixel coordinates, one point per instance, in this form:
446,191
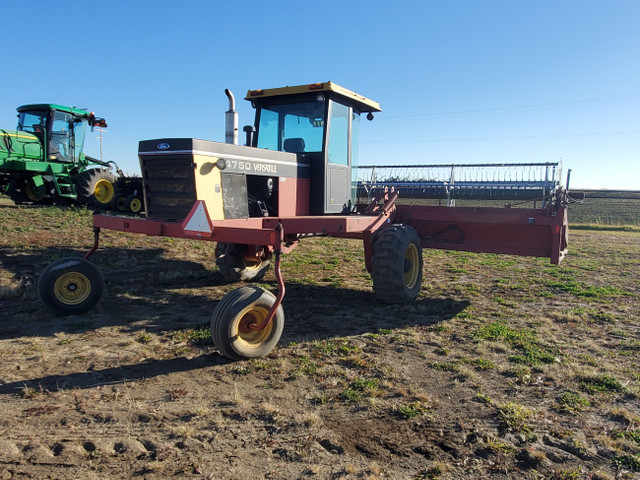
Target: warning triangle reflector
198,223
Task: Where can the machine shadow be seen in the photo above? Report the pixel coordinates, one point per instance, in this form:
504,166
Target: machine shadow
114,375
314,312
136,283
140,293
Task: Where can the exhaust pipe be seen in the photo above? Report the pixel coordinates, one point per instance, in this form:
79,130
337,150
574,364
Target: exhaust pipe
231,120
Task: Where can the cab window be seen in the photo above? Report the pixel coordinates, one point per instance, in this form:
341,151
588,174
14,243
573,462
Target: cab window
294,127
33,122
338,152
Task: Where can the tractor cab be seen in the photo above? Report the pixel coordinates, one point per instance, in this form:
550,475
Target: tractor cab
320,124
61,130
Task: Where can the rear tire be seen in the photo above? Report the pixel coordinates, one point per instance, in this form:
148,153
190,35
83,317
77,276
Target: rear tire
118,203
396,265
133,204
234,267
96,188
70,286
230,322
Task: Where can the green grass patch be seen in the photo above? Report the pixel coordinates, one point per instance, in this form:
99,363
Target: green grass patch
411,410
481,364
193,336
360,389
572,402
504,302
580,289
632,436
514,417
307,366
604,228
532,352
631,462
331,348
601,384
143,337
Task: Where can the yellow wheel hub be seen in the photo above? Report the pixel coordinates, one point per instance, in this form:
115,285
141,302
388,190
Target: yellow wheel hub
72,288
135,205
251,316
411,266
103,191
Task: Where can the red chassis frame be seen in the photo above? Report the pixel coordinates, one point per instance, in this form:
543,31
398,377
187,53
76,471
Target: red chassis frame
513,231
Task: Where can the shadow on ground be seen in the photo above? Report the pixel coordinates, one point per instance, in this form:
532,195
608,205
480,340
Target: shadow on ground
145,290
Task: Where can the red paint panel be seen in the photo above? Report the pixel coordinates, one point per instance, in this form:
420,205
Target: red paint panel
293,197
528,232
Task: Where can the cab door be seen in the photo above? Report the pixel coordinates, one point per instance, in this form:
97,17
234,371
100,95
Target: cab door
61,145
338,161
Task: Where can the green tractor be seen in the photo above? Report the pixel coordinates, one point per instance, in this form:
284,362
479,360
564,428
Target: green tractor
43,162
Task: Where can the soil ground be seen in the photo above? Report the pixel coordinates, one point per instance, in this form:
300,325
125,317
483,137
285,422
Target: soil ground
504,367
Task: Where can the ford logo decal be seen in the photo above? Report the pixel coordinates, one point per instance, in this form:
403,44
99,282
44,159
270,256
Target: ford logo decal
163,146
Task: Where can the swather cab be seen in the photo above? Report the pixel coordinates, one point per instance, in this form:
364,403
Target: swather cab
300,161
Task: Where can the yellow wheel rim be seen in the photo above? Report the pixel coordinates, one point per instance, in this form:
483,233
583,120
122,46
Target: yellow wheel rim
72,288
32,192
103,191
136,205
251,264
242,332
411,266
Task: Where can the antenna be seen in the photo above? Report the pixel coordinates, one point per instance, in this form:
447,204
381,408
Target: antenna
100,138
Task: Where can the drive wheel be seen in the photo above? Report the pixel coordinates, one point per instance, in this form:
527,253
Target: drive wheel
96,188
133,204
70,286
235,267
233,318
34,193
396,265
18,196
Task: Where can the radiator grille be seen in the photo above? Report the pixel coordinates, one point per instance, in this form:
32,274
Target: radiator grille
170,187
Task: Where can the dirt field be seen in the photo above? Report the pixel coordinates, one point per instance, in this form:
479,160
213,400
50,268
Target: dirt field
504,367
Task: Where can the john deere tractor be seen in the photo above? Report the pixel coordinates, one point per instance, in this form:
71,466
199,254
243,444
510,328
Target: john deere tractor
43,162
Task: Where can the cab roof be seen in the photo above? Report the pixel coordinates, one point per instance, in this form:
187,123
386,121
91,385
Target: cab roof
361,103
80,112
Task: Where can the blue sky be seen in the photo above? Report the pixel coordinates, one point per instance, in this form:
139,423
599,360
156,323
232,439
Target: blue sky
459,81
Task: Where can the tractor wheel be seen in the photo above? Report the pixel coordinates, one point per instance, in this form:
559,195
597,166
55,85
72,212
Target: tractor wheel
70,286
18,196
23,191
96,188
118,203
133,204
34,193
396,265
232,319
235,267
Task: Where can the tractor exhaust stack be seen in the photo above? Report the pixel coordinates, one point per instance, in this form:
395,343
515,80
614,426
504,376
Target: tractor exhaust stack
231,120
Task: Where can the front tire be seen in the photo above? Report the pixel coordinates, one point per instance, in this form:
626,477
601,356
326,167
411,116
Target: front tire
70,286
231,324
396,265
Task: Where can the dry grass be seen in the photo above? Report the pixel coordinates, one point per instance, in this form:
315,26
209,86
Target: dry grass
503,366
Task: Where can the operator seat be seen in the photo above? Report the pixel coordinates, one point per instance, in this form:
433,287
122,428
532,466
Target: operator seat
294,145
